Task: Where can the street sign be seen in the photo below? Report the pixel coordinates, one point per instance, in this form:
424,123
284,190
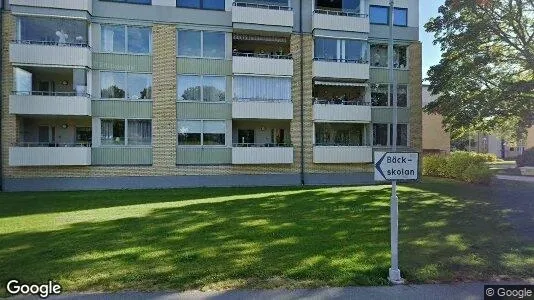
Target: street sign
391,166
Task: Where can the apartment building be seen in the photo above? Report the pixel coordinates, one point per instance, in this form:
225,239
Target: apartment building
101,94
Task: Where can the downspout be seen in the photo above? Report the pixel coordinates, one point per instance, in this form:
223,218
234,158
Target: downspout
301,33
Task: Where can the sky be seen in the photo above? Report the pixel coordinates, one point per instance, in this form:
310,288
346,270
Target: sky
431,53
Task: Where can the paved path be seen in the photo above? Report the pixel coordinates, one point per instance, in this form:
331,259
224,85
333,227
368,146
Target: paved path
516,178
471,291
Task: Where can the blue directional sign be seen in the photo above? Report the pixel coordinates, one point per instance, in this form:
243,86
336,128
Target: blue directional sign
391,166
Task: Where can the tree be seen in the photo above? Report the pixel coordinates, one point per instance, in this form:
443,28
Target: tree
485,79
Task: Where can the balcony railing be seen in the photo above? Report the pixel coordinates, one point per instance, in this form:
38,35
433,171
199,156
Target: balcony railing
253,100
263,6
353,61
339,13
261,145
262,55
46,93
51,145
343,144
360,102
51,43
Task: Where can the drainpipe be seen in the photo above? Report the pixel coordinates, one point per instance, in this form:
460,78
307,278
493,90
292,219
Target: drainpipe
301,32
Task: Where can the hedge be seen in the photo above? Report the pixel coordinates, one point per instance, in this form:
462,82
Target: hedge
461,165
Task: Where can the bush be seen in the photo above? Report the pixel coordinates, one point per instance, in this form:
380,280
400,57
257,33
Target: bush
460,165
526,159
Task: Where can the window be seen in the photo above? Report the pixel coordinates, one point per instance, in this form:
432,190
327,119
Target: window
202,133
379,55
146,2
203,4
340,50
52,31
201,88
339,134
382,131
379,14
121,132
126,39
400,16
245,136
400,57
83,135
402,95
262,88
379,95
195,43
121,85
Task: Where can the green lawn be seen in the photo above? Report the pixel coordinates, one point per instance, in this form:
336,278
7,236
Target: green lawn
254,237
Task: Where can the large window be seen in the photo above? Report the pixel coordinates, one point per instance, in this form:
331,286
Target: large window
262,88
379,55
201,88
126,39
52,31
379,14
121,132
201,133
146,2
340,50
400,16
121,85
379,95
381,132
194,43
202,4
339,134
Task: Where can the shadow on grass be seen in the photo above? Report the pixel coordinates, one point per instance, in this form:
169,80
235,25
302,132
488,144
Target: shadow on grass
317,237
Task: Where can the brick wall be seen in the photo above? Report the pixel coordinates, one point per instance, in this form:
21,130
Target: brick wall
415,90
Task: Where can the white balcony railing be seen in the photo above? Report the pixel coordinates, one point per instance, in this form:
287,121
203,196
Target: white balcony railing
252,13
86,5
37,155
251,154
50,53
66,104
355,70
342,154
252,109
342,110
249,63
340,21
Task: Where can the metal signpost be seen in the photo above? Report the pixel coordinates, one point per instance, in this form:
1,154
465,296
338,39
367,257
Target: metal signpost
393,166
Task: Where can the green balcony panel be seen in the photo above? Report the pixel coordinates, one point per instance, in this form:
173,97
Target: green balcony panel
203,110
203,66
122,109
122,62
203,156
381,75
121,156
385,115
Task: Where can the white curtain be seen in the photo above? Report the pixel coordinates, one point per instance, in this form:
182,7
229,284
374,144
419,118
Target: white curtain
139,132
106,130
258,88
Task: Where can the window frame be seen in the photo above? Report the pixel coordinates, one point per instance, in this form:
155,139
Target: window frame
380,6
126,133
341,50
201,76
127,2
390,94
126,92
201,6
202,145
405,9
126,50
201,44
390,135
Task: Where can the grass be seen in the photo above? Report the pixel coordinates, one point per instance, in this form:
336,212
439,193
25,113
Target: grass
255,237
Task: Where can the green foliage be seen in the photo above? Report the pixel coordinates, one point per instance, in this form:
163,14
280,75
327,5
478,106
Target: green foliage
526,159
461,165
485,78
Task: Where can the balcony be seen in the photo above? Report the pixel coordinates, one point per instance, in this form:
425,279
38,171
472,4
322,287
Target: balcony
274,110
356,110
342,154
50,53
262,14
254,154
340,21
336,69
86,5
38,103
262,64
36,154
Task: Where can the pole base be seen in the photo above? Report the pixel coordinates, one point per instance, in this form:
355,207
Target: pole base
395,277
